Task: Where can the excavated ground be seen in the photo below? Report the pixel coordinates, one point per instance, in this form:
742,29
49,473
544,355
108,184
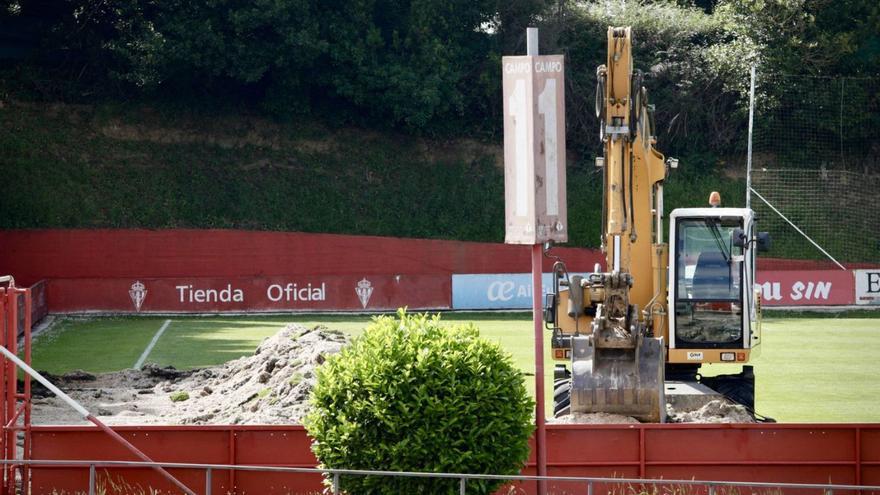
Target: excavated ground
270,387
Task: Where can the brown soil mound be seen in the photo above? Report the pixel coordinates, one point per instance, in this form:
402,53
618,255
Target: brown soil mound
270,387
716,411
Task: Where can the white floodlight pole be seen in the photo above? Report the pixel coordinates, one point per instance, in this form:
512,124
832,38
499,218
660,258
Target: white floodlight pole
751,125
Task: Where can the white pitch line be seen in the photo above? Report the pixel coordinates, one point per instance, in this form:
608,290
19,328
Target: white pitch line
140,361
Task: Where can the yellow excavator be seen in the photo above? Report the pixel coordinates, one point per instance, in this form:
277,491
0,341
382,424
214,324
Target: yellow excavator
652,315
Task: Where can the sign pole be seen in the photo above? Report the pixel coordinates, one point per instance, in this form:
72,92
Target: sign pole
537,305
535,208
541,434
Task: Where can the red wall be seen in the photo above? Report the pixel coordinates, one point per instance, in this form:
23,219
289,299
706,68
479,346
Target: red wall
792,453
93,270
31,255
807,287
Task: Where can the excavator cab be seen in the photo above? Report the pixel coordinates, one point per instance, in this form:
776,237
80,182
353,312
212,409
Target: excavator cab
708,293
714,309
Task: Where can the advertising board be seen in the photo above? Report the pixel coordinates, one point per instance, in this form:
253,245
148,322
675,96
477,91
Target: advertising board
806,288
867,286
778,288
496,291
245,294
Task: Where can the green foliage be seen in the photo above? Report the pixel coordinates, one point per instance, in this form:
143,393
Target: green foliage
360,184
426,67
196,172
695,66
814,37
179,396
295,379
432,66
410,62
410,394
268,48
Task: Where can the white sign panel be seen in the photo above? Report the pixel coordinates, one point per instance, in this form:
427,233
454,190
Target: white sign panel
867,286
534,149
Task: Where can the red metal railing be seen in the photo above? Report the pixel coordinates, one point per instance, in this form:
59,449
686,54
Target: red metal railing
783,453
463,481
15,417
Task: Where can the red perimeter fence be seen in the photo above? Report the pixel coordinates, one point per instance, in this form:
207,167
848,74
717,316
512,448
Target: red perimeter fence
228,270
794,453
845,453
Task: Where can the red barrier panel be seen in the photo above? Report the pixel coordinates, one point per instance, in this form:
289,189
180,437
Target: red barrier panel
208,295
121,254
94,270
806,288
804,453
230,270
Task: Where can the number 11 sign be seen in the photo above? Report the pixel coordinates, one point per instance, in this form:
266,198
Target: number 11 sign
534,149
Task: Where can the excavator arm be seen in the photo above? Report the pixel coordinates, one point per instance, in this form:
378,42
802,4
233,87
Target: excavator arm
613,321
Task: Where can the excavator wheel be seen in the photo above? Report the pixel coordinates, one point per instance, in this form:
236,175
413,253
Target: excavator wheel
561,397
739,387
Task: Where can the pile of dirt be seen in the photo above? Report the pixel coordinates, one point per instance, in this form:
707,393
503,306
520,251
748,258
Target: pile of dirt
270,387
716,411
592,419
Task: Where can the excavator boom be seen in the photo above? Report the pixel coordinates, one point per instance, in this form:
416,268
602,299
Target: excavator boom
618,356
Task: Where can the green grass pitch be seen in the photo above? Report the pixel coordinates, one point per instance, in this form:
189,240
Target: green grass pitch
809,369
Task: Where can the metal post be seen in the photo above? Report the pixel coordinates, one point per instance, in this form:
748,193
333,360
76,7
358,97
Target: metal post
26,401
462,486
4,449
540,434
749,152
11,345
589,488
532,42
335,483
208,481
91,479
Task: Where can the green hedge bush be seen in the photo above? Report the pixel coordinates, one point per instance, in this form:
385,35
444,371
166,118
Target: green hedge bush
411,394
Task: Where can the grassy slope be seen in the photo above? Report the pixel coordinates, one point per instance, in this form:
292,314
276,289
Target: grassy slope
138,166
810,370
135,167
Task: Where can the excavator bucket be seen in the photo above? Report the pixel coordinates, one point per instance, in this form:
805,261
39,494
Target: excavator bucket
628,382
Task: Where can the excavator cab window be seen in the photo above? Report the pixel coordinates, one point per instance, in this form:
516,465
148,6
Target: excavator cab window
709,273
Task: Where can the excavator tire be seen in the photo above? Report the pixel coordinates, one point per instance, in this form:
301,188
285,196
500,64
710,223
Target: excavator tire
561,397
739,387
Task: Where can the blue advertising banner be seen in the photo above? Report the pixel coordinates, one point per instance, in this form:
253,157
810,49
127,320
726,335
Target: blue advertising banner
496,290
